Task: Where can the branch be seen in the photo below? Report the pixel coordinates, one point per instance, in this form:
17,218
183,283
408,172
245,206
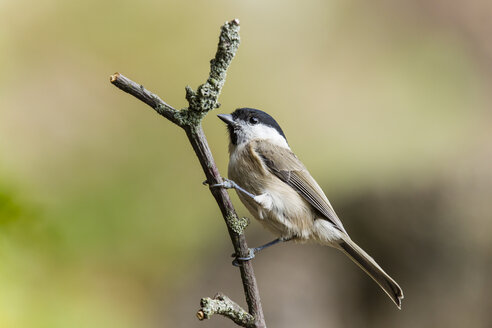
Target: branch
138,91
223,305
205,99
200,103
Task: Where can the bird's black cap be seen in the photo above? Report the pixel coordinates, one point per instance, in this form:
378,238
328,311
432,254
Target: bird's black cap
245,114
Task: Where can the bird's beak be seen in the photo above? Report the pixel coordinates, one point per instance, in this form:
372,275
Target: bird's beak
227,118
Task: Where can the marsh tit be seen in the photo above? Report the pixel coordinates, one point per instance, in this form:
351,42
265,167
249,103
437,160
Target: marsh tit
280,193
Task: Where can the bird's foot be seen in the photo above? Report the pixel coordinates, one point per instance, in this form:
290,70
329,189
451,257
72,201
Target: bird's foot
238,260
227,184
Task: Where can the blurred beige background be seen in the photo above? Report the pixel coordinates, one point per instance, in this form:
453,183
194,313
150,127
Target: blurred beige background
103,218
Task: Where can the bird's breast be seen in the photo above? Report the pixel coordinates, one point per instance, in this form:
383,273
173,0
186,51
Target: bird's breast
289,214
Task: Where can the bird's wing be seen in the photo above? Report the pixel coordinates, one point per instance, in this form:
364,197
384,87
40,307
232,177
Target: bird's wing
284,164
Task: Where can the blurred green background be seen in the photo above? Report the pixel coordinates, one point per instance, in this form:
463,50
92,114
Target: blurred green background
104,221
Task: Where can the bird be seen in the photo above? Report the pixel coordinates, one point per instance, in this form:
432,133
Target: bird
278,190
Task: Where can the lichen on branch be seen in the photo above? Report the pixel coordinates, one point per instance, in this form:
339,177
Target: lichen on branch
206,97
237,224
223,305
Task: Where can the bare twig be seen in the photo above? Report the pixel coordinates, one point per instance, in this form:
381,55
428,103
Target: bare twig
138,91
200,103
223,305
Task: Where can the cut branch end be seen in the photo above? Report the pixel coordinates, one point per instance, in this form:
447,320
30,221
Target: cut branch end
114,77
200,315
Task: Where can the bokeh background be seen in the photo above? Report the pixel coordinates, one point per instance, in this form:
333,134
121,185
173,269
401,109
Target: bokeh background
104,221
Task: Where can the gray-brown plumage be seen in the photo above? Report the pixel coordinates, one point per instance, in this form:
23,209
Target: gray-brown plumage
285,197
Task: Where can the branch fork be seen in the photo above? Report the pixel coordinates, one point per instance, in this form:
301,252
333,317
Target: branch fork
200,102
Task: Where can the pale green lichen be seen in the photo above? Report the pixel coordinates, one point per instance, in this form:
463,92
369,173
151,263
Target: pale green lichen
237,224
187,117
223,305
206,97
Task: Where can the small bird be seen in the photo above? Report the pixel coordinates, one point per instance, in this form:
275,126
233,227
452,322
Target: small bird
280,193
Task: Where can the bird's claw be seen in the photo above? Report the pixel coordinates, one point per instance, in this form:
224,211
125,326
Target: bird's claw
238,260
227,184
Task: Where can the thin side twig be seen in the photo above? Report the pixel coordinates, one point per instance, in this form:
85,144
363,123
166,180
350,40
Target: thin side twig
223,305
138,91
200,103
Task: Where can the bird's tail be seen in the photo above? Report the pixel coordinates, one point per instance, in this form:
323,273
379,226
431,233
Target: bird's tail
367,263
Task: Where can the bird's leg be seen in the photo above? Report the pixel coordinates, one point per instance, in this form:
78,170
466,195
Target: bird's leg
264,200
229,184
256,250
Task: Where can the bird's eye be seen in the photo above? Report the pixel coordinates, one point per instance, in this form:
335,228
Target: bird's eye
253,120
